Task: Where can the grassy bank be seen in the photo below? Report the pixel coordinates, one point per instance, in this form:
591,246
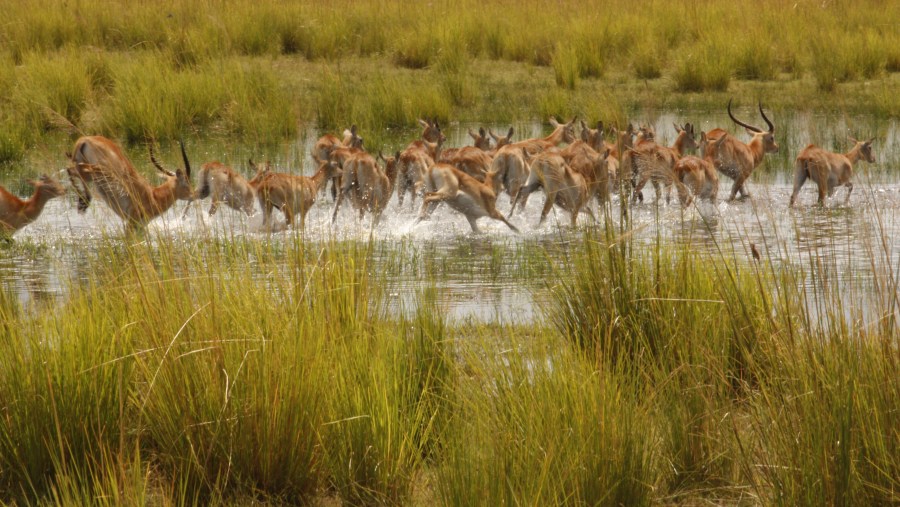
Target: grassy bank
255,70
220,372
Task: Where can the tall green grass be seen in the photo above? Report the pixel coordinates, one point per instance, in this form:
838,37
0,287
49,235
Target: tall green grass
229,371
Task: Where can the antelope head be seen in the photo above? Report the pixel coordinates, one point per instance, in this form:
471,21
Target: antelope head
183,188
502,141
482,141
708,150
352,139
568,130
592,137
432,131
48,187
687,138
390,165
767,137
865,149
260,170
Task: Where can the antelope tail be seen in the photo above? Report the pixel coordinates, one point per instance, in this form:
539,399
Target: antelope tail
204,190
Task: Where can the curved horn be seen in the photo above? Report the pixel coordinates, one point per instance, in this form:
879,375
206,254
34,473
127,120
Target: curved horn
157,165
771,127
187,165
739,122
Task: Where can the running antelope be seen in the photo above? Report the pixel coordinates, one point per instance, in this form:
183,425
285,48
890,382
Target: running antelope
686,141
293,194
830,170
509,169
697,177
100,163
562,185
589,156
328,147
16,213
465,194
415,160
367,186
738,160
224,184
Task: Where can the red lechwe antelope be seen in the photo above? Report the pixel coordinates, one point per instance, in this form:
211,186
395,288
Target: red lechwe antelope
293,194
589,156
738,160
99,163
465,194
418,156
223,184
686,141
562,185
830,170
697,177
328,147
509,169
368,187
16,213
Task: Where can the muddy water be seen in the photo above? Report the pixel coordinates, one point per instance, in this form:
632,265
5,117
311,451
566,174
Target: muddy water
502,276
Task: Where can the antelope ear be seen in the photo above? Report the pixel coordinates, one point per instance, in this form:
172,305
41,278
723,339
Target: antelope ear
677,128
423,123
585,136
381,156
573,120
397,155
509,135
703,136
600,127
473,135
492,134
554,122
869,142
721,140
481,132
583,126
852,139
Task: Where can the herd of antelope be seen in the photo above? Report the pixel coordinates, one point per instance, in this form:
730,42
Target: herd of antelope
467,179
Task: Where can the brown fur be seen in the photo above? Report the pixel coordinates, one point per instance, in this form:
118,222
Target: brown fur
100,163
562,185
829,170
293,194
465,194
737,160
509,170
16,213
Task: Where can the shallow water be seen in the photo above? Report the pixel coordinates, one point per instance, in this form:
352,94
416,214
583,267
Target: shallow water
483,276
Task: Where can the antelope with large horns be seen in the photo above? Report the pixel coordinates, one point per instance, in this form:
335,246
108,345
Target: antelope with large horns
99,163
736,159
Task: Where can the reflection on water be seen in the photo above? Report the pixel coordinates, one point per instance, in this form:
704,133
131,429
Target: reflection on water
502,276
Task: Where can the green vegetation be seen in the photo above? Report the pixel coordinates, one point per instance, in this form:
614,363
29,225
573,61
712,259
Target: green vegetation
259,69
182,373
